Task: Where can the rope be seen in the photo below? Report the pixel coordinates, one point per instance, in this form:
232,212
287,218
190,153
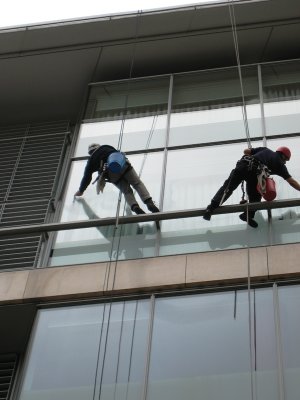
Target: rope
236,46
108,269
246,126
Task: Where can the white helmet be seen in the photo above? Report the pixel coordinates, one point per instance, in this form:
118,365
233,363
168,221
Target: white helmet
92,147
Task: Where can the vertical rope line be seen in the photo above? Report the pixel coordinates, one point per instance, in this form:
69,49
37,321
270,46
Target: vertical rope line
131,349
119,351
130,76
279,349
98,353
246,126
108,269
236,46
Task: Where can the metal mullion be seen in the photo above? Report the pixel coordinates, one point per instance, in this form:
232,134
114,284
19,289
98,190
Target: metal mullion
165,159
149,346
59,166
261,101
279,351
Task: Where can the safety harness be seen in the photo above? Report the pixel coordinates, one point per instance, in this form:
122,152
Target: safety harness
265,185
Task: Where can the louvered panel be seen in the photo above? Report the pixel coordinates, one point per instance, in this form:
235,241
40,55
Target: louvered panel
9,150
49,127
8,365
17,131
19,252
29,163
24,213
37,168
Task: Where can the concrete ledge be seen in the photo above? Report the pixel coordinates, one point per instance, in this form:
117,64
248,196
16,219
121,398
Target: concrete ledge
12,286
149,274
66,282
284,261
226,266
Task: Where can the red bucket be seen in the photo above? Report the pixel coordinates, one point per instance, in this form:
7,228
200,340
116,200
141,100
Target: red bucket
270,192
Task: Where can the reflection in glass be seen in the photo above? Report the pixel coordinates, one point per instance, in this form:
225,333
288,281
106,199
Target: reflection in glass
141,133
200,347
281,91
193,176
207,107
142,104
97,244
289,303
86,352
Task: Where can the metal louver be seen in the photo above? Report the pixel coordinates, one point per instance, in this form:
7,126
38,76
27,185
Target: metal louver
30,160
8,364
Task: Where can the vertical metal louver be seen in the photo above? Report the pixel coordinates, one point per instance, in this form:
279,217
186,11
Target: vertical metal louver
30,160
8,364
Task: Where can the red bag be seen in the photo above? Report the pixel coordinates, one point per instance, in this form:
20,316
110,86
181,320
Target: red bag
269,192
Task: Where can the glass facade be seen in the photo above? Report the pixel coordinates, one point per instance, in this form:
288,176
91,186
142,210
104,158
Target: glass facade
224,345
88,352
183,134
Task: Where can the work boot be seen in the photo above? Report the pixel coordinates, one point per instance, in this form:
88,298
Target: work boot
250,221
207,214
151,206
137,209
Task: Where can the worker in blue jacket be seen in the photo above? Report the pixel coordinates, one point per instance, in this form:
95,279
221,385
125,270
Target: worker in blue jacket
247,169
124,181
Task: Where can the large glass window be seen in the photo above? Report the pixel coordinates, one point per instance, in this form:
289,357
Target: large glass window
281,86
222,345
201,347
206,127
289,303
285,221
129,115
207,107
193,176
88,352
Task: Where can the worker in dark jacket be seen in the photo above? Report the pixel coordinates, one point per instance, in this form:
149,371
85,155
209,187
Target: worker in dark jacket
246,169
123,181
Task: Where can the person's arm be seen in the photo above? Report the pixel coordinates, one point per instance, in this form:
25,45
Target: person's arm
86,180
293,183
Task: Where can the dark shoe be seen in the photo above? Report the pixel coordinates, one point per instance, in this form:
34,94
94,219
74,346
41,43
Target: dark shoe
250,221
137,209
207,214
151,206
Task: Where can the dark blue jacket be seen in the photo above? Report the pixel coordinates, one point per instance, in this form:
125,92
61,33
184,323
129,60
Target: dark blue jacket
93,164
272,159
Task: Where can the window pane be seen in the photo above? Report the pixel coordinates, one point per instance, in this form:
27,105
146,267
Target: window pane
141,104
193,177
207,107
289,303
281,85
285,221
200,347
63,361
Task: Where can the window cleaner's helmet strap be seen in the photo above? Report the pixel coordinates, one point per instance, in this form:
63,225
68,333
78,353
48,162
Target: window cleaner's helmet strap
92,147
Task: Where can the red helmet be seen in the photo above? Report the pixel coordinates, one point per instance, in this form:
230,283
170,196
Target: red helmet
285,150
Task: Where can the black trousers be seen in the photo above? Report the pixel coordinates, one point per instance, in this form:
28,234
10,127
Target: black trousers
240,173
